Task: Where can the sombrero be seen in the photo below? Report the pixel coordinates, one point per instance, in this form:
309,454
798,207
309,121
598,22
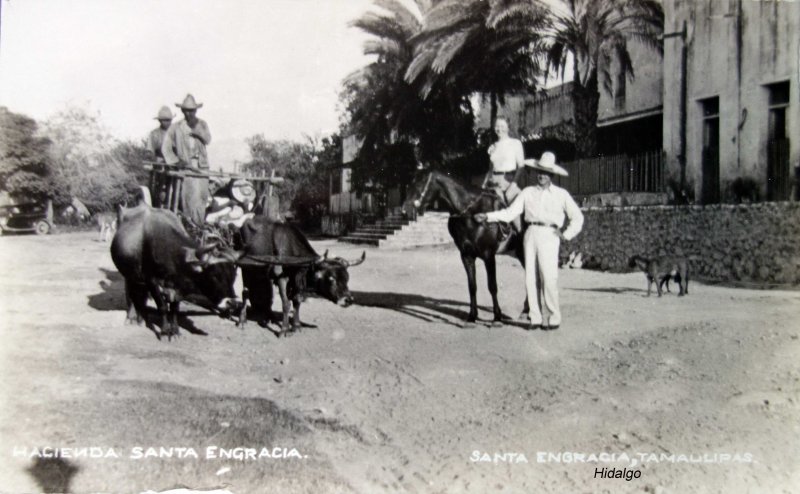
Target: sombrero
242,191
189,103
547,163
164,114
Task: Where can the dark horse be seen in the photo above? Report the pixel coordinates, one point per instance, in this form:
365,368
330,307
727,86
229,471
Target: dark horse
473,239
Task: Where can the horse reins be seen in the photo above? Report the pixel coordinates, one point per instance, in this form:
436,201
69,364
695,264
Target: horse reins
427,185
463,211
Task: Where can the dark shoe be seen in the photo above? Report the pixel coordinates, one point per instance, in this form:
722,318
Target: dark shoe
550,327
533,327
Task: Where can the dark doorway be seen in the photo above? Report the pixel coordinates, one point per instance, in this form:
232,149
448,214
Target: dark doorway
709,192
779,184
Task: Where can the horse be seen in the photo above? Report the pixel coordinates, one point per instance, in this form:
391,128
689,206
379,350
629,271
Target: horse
473,239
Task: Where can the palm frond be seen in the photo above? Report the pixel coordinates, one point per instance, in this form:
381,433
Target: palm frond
449,13
378,25
528,11
449,48
383,47
405,18
421,62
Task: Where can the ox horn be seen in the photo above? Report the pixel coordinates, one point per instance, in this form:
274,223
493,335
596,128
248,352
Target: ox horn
350,264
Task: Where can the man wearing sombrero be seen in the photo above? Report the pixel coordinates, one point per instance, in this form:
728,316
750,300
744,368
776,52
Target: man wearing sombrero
185,146
156,137
544,207
154,142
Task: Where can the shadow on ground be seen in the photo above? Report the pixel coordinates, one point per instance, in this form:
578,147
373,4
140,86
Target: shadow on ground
112,298
52,474
615,290
427,309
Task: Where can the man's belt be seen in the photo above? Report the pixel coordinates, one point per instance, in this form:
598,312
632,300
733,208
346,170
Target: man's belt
541,223
503,173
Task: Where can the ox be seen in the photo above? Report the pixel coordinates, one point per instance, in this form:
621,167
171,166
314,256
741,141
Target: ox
277,253
156,256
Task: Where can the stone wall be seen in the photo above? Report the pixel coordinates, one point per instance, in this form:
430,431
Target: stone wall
750,242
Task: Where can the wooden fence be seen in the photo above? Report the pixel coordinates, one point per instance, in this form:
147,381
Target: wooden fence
620,173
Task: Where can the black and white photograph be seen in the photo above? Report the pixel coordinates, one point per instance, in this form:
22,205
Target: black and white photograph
400,246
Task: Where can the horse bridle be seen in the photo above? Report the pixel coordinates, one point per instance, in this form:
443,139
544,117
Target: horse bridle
464,212
418,202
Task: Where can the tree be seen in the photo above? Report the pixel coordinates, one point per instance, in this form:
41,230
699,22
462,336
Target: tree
591,33
132,155
83,159
478,46
306,178
397,126
24,161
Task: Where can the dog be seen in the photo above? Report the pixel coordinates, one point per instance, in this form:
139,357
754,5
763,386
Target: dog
659,270
107,226
575,260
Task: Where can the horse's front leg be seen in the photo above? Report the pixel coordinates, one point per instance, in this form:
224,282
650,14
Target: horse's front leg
491,276
469,266
519,253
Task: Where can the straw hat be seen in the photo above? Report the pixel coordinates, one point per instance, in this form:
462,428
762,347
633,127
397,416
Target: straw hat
189,103
164,114
547,163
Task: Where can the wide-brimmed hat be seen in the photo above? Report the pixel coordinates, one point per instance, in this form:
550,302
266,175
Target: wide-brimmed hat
189,103
164,114
547,163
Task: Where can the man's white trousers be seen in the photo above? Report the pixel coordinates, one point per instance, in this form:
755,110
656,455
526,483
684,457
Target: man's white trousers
541,273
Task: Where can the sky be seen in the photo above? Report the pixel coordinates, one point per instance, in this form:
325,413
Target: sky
271,67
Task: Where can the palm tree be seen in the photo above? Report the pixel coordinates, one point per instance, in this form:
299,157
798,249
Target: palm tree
387,112
478,46
590,33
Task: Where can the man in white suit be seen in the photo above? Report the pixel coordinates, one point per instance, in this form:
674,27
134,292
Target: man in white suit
544,208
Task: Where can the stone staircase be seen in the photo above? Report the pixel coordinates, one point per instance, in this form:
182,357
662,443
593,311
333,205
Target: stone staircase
397,232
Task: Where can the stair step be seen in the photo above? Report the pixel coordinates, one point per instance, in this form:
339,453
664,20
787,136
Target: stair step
396,230
360,241
376,229
367,235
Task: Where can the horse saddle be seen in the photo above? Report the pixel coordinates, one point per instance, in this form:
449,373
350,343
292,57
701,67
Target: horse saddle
506,229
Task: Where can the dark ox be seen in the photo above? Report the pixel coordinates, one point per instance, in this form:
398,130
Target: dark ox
295,268
156,256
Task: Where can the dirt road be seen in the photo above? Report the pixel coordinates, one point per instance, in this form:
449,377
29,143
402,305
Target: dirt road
696,394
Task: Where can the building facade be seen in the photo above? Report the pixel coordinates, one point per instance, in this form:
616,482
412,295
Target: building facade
723,102
731,100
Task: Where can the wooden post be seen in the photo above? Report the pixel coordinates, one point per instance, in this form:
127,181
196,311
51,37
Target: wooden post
178,193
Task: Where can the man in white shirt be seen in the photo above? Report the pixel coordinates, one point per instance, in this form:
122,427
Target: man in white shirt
544,208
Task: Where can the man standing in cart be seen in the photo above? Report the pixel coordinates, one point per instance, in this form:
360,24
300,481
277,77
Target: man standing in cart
154,142
185,146
156,137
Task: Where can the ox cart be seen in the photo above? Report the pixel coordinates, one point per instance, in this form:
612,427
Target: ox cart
160,260
254,196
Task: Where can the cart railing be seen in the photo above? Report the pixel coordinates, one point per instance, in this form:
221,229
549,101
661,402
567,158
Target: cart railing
171,178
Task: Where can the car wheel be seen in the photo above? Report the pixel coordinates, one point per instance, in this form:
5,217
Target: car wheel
42,227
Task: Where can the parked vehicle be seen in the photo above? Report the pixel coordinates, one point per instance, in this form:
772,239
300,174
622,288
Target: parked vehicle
32,217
